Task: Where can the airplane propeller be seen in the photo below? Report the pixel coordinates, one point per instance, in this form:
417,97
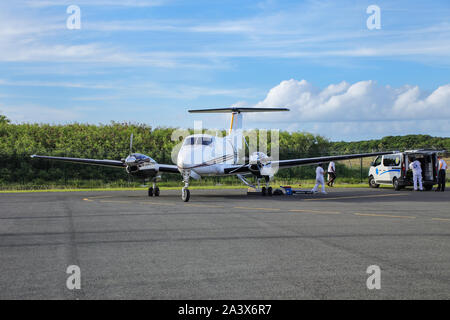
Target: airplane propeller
130,159
131,143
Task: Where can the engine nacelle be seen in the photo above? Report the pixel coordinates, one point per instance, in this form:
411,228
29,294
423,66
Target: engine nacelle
259,158
141,166
260,165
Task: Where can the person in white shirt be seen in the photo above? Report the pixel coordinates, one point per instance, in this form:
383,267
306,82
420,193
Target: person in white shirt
319,179
331,174
442,166
416,168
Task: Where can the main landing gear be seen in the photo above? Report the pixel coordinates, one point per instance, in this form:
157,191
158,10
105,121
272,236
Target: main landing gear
267,190
185,194
153,191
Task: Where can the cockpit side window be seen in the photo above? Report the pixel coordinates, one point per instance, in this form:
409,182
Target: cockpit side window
189,141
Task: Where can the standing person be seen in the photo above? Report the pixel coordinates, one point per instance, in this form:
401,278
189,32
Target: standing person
416,168
331,174
442,166
319,179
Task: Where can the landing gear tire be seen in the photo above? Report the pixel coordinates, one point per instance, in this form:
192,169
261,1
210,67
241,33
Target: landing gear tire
150,192
263,191
185,194
156,192
372,183
428,187
269,191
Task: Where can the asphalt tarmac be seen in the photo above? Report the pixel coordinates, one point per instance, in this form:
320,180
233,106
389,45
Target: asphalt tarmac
224,244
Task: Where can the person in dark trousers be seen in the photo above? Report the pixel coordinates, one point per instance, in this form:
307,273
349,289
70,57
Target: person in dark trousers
331,174
442,166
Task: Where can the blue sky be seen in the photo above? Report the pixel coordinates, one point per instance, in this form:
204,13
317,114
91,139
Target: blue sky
151,60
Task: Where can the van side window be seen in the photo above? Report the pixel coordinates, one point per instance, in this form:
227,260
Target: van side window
391,161
377,161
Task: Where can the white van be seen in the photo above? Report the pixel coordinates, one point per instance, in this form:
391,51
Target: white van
393,169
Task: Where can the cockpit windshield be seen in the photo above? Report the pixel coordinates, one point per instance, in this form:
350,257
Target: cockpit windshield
198,141
139,156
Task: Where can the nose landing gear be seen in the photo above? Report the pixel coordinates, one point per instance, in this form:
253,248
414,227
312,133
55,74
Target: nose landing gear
185,194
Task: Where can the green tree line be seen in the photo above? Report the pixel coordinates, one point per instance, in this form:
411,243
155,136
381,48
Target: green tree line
111,141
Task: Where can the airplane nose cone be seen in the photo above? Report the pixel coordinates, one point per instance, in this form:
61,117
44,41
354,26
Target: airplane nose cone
189,157
183,159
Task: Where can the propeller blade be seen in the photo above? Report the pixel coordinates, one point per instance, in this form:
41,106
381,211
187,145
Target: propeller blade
131,144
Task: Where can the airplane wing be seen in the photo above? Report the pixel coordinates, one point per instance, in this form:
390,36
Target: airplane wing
170,168
108,163
304,161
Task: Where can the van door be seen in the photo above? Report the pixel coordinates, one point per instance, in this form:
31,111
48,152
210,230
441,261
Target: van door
391,167
378,169
427,167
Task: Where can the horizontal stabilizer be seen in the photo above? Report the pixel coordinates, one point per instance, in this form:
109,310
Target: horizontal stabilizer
237,110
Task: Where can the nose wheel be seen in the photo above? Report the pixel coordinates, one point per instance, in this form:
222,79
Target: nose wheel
185,194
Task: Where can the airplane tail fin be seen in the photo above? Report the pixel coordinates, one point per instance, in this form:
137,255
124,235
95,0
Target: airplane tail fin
236,114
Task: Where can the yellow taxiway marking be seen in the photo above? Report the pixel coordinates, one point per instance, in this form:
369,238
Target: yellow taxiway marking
87,199
158,203
355,197
204,205
115,201
251,208
440,219
382,215
100,197
314,211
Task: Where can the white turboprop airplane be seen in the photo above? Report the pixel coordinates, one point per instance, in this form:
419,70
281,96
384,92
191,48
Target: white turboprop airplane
207,155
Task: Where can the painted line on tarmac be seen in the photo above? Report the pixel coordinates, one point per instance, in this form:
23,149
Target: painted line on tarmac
274,209
252,208
440,219
356,197
100,197
315,211
204,205
383,215
157,203
115,201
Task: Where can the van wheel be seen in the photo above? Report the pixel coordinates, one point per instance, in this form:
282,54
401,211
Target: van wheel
372,183
397,186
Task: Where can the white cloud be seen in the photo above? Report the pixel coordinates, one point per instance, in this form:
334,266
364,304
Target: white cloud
362,110
39,114
361,101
